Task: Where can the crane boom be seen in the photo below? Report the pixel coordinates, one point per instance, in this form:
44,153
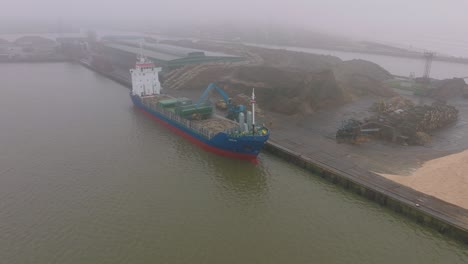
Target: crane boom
233,110
210,87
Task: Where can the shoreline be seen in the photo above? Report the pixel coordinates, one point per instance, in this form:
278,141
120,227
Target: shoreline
409,55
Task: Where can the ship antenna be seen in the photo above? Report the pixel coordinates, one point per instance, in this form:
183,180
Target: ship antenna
141,52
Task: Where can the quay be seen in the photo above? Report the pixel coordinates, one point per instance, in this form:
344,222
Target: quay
446,218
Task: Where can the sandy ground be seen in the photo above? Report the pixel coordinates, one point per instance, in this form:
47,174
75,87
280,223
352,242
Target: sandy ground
445,178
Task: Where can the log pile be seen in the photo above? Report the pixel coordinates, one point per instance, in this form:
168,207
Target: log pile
398,119
414,121
428,118
391,105
400,111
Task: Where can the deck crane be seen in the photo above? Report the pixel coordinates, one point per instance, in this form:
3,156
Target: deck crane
232,109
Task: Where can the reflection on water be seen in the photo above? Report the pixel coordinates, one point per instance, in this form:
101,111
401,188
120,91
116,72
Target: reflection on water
246,179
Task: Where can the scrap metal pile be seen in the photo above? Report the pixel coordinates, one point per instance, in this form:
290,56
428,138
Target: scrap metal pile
399,120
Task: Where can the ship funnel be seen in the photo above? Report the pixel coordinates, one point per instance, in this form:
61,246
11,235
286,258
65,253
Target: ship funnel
245,128
249,120
252,101
241,122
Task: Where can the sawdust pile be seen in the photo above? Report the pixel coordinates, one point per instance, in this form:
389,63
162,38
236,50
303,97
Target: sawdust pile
286,82
445,178
448,88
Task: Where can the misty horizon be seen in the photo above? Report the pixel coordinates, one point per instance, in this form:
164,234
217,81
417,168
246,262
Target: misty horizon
422,24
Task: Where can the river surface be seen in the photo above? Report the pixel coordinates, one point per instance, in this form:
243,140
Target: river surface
85,178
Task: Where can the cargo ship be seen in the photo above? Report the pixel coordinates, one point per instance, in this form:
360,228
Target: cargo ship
239,137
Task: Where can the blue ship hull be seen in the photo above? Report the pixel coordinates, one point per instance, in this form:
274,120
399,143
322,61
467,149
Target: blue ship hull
242,147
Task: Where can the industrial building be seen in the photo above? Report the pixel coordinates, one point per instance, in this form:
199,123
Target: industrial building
123,54
30,49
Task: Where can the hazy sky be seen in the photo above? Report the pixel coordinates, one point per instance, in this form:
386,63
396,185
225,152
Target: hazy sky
387,20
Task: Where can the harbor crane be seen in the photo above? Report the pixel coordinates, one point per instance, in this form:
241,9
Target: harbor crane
233,110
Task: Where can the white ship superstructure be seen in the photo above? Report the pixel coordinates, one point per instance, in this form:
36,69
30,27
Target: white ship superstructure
145,78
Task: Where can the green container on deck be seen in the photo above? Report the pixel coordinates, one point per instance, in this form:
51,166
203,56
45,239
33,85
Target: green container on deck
167,103
183,102
175,102
190,110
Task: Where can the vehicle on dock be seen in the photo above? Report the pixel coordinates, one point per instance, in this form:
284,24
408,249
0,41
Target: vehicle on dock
196,121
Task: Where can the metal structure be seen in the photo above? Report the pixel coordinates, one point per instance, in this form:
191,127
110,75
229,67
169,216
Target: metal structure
425,80
429,56
354,131
233,110
252,102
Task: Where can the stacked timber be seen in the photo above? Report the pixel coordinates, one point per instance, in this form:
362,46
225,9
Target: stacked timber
428,118
391,105
400,111
416,122
399,119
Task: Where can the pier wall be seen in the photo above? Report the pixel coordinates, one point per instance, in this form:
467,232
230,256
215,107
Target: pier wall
452,221
110,75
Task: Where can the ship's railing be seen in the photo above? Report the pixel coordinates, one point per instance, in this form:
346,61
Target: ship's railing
236,132
233,132
181,121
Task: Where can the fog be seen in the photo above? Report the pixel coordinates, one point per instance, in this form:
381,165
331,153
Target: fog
428,24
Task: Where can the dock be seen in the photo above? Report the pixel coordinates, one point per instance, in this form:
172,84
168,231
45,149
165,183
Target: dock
446,218
113,75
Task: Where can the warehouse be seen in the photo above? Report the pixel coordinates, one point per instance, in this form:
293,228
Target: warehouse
124,53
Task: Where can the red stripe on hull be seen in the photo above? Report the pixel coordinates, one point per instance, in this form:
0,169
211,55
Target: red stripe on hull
199,143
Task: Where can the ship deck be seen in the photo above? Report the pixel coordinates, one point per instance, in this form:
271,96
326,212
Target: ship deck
213,124
216,124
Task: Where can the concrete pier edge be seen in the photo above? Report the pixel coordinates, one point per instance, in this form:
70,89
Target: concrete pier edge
422,214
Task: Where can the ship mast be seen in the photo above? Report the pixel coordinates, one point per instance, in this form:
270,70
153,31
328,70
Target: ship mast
252,101
142,58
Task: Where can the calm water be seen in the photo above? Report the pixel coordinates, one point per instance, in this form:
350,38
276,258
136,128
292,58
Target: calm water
85,178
